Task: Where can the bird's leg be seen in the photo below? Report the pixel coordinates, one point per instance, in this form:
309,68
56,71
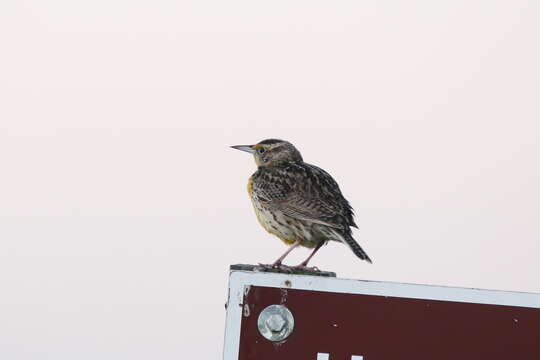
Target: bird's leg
304,263
277,263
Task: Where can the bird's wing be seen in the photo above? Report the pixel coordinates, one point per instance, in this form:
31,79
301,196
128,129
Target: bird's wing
304,194
309,209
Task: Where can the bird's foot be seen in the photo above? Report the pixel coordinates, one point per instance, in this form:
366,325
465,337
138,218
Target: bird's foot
265,266
306,268
284,268
275,266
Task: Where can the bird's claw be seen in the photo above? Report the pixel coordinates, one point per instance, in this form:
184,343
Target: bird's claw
286,268
283,268
280,267
307,268
265,266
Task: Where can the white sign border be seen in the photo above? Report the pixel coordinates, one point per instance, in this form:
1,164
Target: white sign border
240,280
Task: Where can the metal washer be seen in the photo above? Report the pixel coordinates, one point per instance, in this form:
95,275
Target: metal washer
275,323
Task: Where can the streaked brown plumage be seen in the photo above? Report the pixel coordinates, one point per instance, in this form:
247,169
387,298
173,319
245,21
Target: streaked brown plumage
298,202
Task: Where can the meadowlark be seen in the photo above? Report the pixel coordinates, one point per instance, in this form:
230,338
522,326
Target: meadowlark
298,202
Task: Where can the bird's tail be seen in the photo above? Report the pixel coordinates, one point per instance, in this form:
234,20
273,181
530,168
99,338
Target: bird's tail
356,249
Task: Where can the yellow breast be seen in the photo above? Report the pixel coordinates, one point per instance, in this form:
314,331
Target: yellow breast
250,186
261,218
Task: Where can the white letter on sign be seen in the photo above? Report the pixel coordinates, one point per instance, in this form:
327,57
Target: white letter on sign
325,356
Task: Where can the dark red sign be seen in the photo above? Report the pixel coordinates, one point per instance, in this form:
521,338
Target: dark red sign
350,325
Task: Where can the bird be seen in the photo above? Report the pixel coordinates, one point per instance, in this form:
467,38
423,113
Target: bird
298,202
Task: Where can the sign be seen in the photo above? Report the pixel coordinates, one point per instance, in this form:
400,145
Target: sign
339,319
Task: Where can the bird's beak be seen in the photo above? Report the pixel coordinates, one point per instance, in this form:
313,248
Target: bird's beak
246,148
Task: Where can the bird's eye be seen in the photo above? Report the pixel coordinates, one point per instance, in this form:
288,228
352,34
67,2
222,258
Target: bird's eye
261,150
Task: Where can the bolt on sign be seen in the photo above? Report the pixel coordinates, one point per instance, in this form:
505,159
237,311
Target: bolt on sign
300,317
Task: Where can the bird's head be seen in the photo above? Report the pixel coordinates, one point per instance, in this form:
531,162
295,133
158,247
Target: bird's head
272,152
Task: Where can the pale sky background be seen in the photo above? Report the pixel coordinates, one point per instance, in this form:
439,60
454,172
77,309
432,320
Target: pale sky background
121,205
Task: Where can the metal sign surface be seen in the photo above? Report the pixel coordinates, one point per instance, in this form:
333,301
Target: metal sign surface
338,319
